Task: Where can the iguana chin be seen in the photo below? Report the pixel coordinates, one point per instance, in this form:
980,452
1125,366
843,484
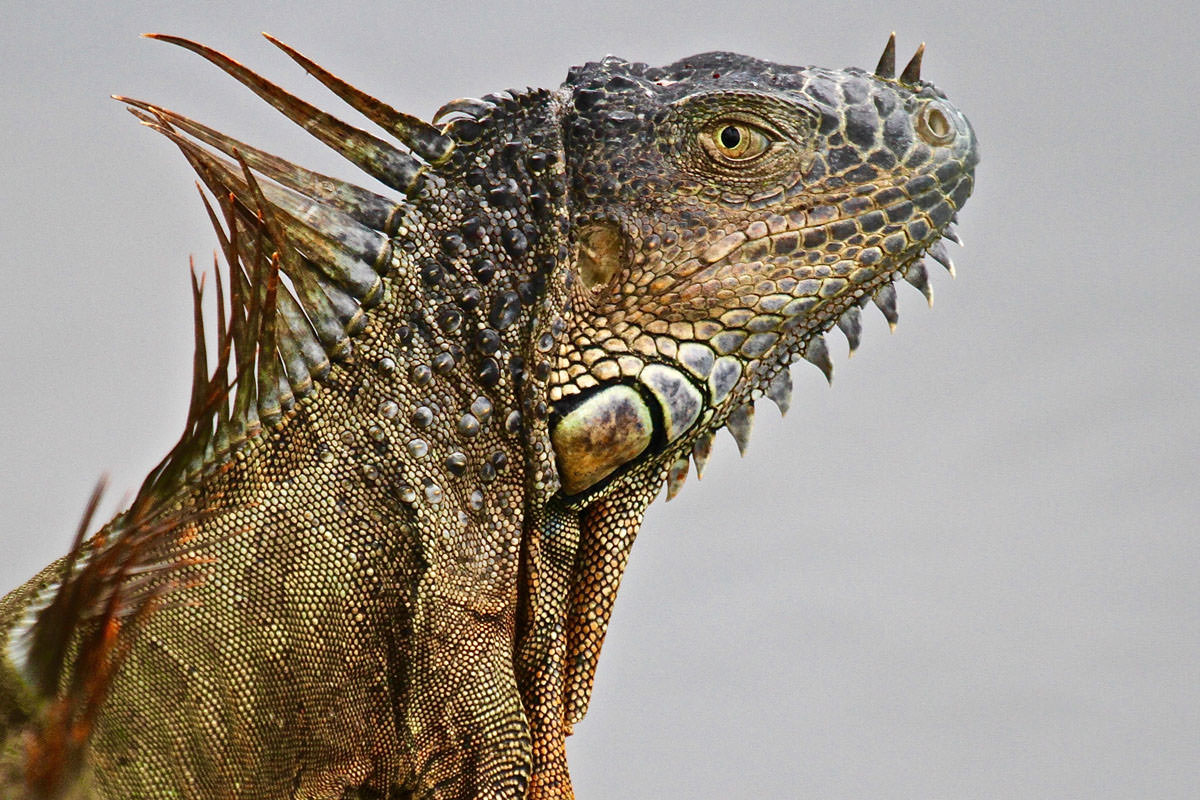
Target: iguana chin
381,559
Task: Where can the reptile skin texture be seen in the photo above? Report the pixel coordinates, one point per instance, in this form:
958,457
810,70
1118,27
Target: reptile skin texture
428,417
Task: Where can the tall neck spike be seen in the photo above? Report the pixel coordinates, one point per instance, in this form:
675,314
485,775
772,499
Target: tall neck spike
424,139
374,156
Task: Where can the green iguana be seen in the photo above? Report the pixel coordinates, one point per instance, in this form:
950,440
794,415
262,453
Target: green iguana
382,557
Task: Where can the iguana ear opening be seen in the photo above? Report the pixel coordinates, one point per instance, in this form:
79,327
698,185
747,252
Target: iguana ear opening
603,249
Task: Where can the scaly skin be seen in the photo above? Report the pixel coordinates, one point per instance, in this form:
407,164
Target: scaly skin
382,562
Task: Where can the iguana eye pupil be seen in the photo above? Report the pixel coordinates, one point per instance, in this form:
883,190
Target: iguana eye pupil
735,141
731,137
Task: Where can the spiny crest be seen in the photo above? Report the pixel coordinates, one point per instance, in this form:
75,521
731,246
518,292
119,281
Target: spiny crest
374,156
106,589
305,255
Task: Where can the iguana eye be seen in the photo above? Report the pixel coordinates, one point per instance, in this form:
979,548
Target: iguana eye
733,140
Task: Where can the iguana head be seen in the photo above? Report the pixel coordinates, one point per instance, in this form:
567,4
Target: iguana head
727,212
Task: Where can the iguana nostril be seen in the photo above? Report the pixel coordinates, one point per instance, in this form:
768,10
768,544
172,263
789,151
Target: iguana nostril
934,125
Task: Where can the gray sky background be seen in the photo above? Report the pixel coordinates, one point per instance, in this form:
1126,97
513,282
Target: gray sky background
967,570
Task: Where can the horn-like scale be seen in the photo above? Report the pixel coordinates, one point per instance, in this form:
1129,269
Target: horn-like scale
886,68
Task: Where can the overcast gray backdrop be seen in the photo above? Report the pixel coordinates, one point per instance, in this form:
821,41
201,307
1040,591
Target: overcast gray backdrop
968,570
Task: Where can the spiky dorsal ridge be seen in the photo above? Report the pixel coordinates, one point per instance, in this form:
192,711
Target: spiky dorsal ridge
304,259
305,255
391,166
81,627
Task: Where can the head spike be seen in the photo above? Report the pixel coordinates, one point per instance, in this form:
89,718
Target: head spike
294,363
912,70
287,397
886,68
256,264
885,300
371,154
229,428
471,107
199,354
199,427
220,375
219,443
817,352
303,347
740,424
270,401
364,206
424,139
779,390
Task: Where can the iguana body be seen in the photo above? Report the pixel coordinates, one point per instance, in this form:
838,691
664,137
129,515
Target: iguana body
381,561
